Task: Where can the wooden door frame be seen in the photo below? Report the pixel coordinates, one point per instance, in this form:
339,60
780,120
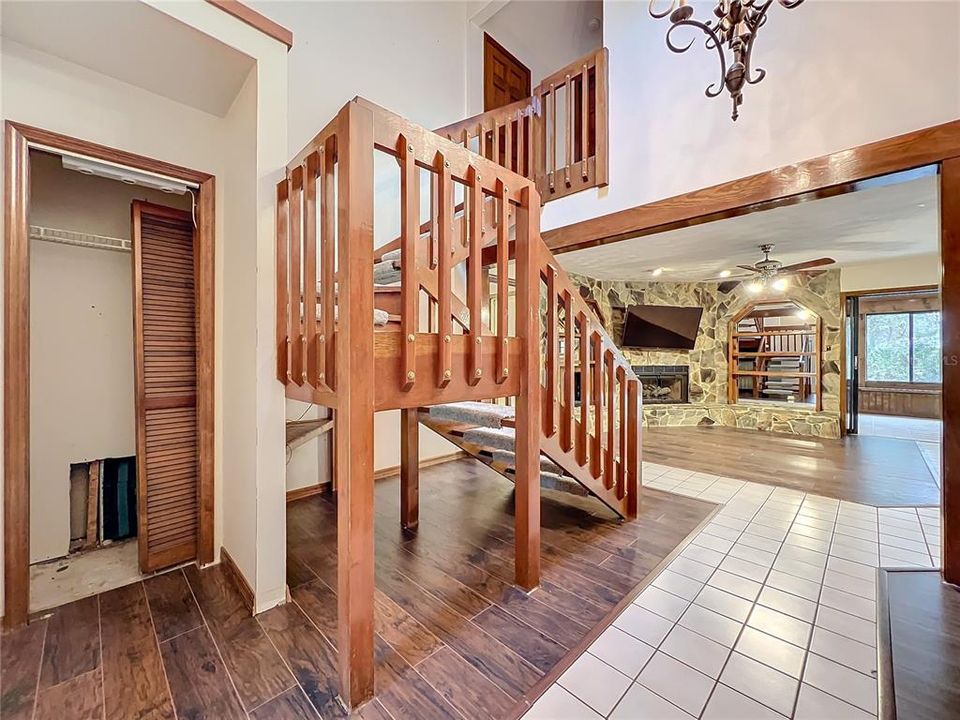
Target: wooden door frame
16,348
843,336
826,176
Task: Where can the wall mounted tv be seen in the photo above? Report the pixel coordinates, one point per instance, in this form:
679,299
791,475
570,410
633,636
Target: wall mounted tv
662,327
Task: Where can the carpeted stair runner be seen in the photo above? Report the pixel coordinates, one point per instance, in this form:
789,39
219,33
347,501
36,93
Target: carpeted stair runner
487,415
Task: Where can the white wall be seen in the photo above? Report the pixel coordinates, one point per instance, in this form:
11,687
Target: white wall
545,35
81,340
840,74
908,271
406,56
40,90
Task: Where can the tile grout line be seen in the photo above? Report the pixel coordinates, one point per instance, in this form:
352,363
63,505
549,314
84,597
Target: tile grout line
816,613
753,606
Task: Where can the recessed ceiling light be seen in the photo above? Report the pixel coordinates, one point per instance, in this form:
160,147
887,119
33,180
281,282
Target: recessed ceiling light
658,271
921,205
724,273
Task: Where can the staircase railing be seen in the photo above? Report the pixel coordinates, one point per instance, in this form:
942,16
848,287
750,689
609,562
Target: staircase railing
558,137
600,429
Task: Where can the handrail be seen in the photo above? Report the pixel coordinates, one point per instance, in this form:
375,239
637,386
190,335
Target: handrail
604,436
524,136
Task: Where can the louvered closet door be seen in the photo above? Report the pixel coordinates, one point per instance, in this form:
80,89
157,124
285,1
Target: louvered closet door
165,349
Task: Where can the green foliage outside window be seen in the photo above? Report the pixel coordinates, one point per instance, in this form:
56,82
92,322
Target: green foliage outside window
903,347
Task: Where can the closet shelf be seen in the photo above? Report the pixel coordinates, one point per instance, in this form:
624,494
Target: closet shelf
80,239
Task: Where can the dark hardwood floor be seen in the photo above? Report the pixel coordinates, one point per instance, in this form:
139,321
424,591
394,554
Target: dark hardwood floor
879,471
455,638
920,660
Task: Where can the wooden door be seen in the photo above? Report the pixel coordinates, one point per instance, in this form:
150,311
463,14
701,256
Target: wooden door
505,79
165,367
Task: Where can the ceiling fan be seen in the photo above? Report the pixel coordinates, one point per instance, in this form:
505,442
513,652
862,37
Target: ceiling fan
774,272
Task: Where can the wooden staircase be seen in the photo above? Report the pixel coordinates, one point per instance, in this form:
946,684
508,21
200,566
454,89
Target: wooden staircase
465,309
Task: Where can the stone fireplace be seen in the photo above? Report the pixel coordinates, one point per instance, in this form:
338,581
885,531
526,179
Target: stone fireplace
664,384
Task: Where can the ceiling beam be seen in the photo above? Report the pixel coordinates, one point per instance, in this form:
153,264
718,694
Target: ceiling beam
825,176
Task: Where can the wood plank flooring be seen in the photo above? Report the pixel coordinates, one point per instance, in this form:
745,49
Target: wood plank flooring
881,471
455,638
924,646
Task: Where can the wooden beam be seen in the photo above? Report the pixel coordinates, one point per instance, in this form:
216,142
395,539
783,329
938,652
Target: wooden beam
950,314
251,17
831,174
527,558
409,469
355,403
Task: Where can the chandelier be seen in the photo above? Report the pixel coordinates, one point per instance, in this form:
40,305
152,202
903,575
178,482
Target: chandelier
735,28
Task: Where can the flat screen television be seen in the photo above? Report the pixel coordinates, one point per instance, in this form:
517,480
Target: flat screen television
661,327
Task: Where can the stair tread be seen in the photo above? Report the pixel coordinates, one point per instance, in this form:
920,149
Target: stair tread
487,415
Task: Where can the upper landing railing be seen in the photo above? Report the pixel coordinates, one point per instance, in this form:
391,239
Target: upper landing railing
558,137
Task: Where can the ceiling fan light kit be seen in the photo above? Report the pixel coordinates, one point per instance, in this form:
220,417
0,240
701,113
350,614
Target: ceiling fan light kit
735,28
774,274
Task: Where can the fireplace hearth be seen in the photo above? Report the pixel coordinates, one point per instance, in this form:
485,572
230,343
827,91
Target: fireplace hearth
664,384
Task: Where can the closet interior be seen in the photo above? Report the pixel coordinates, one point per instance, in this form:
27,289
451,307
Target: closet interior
113,452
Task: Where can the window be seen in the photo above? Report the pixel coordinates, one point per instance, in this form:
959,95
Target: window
903,347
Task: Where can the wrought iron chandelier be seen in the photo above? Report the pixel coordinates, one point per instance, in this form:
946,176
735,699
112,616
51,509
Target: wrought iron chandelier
735,28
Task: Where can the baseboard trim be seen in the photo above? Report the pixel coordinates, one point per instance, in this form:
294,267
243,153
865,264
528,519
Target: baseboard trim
238,580
382,474
308,491
387,472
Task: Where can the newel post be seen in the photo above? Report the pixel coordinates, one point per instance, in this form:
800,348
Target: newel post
527,556
355,405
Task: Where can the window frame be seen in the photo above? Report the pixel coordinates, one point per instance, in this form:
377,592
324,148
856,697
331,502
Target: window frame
911,383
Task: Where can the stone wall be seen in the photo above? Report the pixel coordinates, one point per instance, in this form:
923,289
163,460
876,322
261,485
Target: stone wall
708,360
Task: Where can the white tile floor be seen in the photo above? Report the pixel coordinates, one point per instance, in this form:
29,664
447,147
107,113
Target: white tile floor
769,612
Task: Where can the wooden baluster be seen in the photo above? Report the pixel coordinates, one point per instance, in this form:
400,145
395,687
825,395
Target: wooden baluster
553,356
552,137
633,448
434,209
569,333
310,295
283,282
444,288
584,121
475,275
596,374
503,250
621,430
508,144
583,439
409,286
610,461
568,145
532,126
296,291
520,144
328,264
495,145
465,138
